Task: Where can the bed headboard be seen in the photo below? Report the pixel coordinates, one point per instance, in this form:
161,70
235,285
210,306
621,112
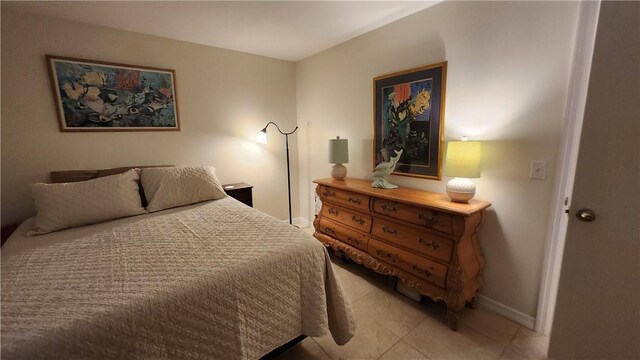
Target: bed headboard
83,175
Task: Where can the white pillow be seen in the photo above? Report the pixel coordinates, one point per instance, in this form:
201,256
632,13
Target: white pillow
168,187
65,205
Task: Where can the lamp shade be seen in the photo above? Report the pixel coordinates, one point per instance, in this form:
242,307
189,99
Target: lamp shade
261,137
463,159
338,151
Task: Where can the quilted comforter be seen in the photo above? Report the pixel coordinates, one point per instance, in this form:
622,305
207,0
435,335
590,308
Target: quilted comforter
216,280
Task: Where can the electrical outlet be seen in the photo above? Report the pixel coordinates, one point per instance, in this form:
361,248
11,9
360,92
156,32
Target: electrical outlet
538,170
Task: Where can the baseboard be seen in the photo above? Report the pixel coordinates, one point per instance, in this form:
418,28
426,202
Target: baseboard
510,313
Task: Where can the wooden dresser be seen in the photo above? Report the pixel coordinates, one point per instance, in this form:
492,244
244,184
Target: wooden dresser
426,240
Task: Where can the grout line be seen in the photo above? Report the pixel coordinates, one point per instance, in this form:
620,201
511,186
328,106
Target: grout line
415,327
386,328
419,352
518,327
483,335
503,352
354,300
421,321
514,335
323,350
400,338
392,345
413,347
519,353
511,342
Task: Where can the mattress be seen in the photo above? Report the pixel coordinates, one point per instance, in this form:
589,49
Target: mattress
215,280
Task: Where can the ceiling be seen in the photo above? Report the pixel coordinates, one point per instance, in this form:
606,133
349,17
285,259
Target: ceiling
287,30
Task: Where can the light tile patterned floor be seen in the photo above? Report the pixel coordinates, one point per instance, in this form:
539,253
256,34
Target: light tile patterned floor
393,327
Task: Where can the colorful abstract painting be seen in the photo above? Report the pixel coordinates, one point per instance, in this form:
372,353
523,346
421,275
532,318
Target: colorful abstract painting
98,96
409,108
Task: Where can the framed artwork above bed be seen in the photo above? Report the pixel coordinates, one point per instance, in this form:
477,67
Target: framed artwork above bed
101,96
409,116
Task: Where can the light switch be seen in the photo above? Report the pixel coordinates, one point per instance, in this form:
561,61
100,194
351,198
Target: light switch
538,170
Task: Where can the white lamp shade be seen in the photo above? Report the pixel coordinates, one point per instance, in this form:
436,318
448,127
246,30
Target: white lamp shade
261,137
463,159
338,151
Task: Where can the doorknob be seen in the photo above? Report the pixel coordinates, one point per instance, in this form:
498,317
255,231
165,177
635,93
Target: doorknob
586,215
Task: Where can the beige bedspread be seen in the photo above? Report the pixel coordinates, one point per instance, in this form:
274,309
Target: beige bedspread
216,280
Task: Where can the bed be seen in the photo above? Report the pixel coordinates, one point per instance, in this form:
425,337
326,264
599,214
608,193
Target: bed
212,280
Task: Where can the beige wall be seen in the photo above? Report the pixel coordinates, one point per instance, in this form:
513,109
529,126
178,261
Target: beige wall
507,83
224,98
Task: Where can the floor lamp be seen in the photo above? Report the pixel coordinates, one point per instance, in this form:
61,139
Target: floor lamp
262,138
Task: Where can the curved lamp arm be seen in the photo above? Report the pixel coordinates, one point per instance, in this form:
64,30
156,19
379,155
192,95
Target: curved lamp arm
261,136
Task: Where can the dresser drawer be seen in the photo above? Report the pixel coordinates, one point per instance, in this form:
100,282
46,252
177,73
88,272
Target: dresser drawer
344,234
414,214
421,241
350,218
421,267
345,198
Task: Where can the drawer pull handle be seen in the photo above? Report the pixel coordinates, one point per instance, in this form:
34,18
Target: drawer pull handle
333,211
330,230
431,220
388,230
433,244
417,269
355,200
328,193
355,241
387,255
357,219
387,207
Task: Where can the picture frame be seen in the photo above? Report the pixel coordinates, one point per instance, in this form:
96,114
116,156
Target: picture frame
409,116
94,95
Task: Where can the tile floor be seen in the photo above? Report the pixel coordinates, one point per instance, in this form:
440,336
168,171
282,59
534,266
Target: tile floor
393,327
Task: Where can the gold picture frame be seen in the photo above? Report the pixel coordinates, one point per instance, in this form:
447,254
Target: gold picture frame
93,96
408,110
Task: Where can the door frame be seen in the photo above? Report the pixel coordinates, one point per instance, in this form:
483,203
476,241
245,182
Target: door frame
566,168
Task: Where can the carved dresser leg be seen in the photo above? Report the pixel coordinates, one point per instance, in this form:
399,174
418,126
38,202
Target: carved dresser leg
453,317
473,302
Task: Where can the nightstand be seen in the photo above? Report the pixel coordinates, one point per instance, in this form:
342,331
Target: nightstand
7,231
240,192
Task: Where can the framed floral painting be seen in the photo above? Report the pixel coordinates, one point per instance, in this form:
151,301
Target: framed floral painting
100,96
409,119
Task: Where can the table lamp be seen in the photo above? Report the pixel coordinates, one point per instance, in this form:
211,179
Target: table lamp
462,162
338,155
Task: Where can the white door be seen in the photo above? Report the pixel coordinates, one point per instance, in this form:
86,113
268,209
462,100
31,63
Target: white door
598,307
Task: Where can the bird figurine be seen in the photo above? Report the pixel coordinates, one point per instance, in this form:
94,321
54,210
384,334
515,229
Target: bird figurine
383,170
